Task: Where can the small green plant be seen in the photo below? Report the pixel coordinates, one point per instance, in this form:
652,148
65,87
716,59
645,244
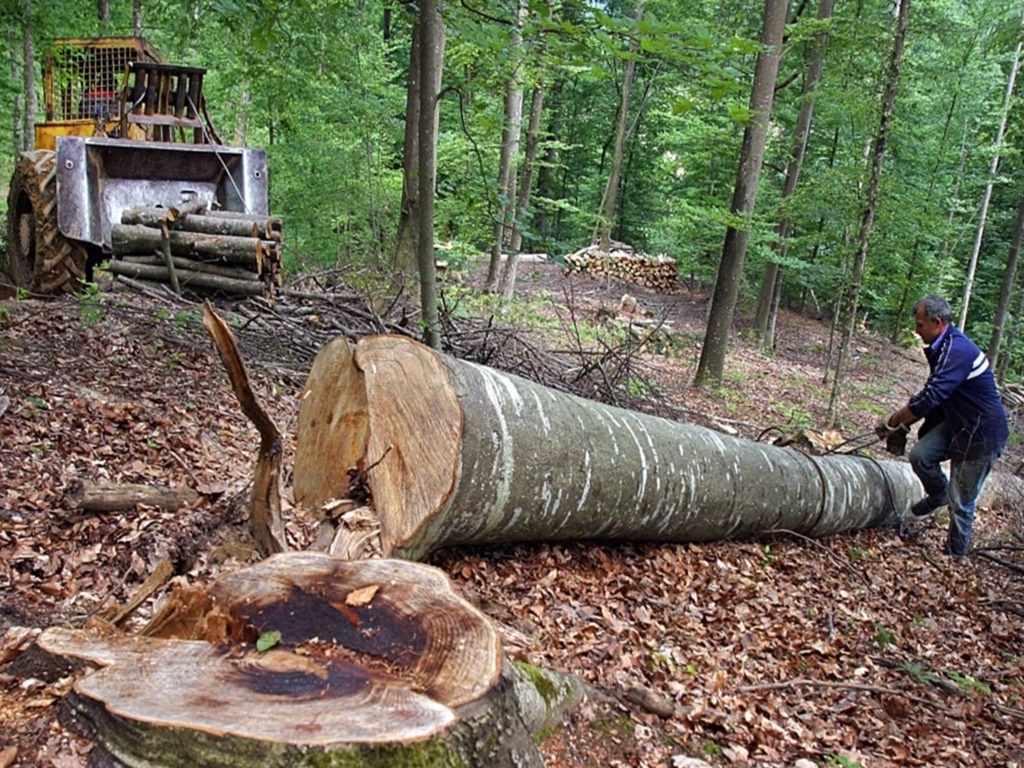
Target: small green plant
89,306
185,318
637,387
768,559
968,684
711,749
884,637
799,418
856,553
841,760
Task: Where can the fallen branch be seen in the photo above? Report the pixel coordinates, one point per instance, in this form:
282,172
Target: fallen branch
786,685
999,561
89,496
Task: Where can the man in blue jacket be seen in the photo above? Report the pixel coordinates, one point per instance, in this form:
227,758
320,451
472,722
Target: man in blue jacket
964,421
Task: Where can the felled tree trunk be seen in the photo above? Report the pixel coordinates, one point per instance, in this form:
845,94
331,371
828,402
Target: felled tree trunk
372,663
449,452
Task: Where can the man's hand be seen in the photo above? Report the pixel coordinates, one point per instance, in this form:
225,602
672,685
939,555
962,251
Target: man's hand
882,428
895,437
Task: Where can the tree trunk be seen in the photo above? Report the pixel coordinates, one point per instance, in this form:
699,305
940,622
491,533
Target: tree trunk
987,195
607,213
450,452
247,251
405,241
432,36
868,217
508,162
1005,293
371,663
529,164
209,222
28,71
17,97
767,302
711,367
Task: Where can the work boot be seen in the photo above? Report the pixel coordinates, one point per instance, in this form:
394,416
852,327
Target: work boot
925,507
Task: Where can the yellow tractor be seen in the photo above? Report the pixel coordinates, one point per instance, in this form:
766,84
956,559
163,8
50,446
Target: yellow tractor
123,129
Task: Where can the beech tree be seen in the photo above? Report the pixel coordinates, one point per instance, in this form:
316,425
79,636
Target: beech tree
771,282
730,269
868,216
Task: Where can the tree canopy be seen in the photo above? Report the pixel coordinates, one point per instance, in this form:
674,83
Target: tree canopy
322,85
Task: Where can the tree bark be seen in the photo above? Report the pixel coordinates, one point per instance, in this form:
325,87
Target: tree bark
432,35
608,202
28,71
507,163
190,278
868,217
89,496
405,240
1006,291
711,367
209,223
450,452
248,251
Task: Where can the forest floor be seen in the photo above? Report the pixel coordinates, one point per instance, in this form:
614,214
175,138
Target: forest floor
857,649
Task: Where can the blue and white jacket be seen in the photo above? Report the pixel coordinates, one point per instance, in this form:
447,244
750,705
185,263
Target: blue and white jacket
961,391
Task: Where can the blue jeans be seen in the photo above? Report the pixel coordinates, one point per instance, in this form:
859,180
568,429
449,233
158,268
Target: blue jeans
960,491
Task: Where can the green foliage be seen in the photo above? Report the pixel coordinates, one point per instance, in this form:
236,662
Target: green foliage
90,307
841,760
322,87
968,684
883,637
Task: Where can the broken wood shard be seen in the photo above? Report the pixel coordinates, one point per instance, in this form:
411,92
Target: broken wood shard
456,453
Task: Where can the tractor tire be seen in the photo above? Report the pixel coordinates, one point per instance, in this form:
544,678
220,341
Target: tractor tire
40,258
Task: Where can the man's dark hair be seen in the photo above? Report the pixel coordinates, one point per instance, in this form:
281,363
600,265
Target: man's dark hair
935,307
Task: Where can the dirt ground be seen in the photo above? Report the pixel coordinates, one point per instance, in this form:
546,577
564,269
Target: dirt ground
862,649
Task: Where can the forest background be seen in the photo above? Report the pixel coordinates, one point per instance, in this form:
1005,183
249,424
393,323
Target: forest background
635,114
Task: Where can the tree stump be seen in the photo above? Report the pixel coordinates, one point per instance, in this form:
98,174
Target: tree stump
373,663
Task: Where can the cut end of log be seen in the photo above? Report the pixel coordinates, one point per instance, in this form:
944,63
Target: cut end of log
403,453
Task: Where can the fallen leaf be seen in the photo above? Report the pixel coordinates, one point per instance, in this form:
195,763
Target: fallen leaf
362,596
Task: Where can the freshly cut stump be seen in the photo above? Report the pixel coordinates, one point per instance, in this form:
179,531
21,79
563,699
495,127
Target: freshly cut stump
371,660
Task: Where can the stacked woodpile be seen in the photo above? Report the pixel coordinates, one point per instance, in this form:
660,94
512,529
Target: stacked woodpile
624,262
195,248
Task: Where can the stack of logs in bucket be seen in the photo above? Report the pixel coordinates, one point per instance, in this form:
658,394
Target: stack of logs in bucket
624,262
195,248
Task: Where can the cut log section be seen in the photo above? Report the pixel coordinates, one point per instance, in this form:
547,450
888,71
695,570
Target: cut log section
450,452
372,659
